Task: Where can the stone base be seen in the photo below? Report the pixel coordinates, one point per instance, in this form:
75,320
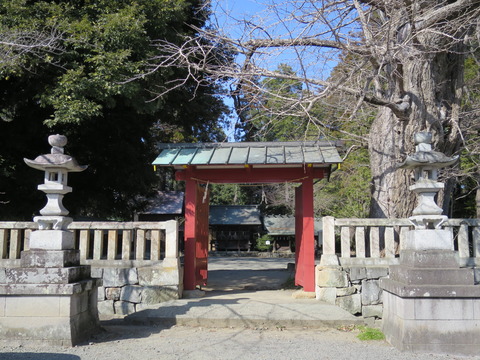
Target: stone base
432,325
302,294
430,304
52,240
62,315
50,258
431,239
193,294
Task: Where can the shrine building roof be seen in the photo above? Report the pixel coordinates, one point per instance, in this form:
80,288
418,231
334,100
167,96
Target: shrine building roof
283,154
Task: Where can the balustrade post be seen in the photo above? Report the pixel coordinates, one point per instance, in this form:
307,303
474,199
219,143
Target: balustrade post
171,245
329,257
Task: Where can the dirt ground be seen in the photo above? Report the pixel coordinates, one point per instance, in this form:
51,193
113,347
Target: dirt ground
118,342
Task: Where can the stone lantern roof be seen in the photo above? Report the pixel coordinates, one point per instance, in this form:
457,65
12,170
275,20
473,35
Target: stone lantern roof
425,157
56,159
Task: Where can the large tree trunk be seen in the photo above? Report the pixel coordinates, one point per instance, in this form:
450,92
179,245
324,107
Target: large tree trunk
434,84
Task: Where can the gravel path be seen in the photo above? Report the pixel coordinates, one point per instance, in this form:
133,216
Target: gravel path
147,343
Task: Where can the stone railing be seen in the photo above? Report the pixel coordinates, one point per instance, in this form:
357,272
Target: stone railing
138,261
358,252
379,241
101,243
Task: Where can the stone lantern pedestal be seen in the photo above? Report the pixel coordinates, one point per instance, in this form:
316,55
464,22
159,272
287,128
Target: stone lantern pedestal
430,303
50,298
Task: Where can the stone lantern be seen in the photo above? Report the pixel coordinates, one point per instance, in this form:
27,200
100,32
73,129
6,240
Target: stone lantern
425,162
50,297
428,299
56,166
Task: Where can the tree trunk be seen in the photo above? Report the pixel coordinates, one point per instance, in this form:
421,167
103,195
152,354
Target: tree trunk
434,84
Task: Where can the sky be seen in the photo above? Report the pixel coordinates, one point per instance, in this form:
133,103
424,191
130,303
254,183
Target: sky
229,15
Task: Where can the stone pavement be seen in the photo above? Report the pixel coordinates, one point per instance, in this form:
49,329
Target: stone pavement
246,292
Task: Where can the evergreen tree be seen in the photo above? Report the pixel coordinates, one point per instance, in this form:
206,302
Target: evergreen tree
89,90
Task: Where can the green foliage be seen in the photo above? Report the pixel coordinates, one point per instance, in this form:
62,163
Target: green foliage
468,179
347,193
368,333
262,245
84,91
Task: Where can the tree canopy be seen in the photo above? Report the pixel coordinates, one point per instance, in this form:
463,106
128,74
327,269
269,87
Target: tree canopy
82,88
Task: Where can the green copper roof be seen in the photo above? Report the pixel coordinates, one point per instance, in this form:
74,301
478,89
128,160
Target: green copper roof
248,153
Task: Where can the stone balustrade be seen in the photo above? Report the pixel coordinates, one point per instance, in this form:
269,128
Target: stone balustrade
357,253
101,243
138,261
378,241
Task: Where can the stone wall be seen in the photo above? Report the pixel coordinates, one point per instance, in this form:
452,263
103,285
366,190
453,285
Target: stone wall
355,289
127,290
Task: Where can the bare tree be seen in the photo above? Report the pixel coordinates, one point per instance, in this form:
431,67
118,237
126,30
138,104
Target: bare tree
403,57
14,44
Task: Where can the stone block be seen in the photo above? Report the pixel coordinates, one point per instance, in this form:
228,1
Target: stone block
330,277
3,276
101,293
96,272
351,303
328,295
29,306
124,308
51,240
46,328
113,277
47,275
452,336
106,307
476,308
357,273
371,292
67,308
444,309
50,258
158,276
435,276
131,293
430,259
430,239
113,293
158,294
346,291
375,272
372,311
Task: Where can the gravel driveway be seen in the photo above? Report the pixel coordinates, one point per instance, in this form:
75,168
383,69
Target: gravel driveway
147,343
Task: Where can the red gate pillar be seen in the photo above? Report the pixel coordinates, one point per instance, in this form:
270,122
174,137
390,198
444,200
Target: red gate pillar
201,236
189,278
299,268
304,236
